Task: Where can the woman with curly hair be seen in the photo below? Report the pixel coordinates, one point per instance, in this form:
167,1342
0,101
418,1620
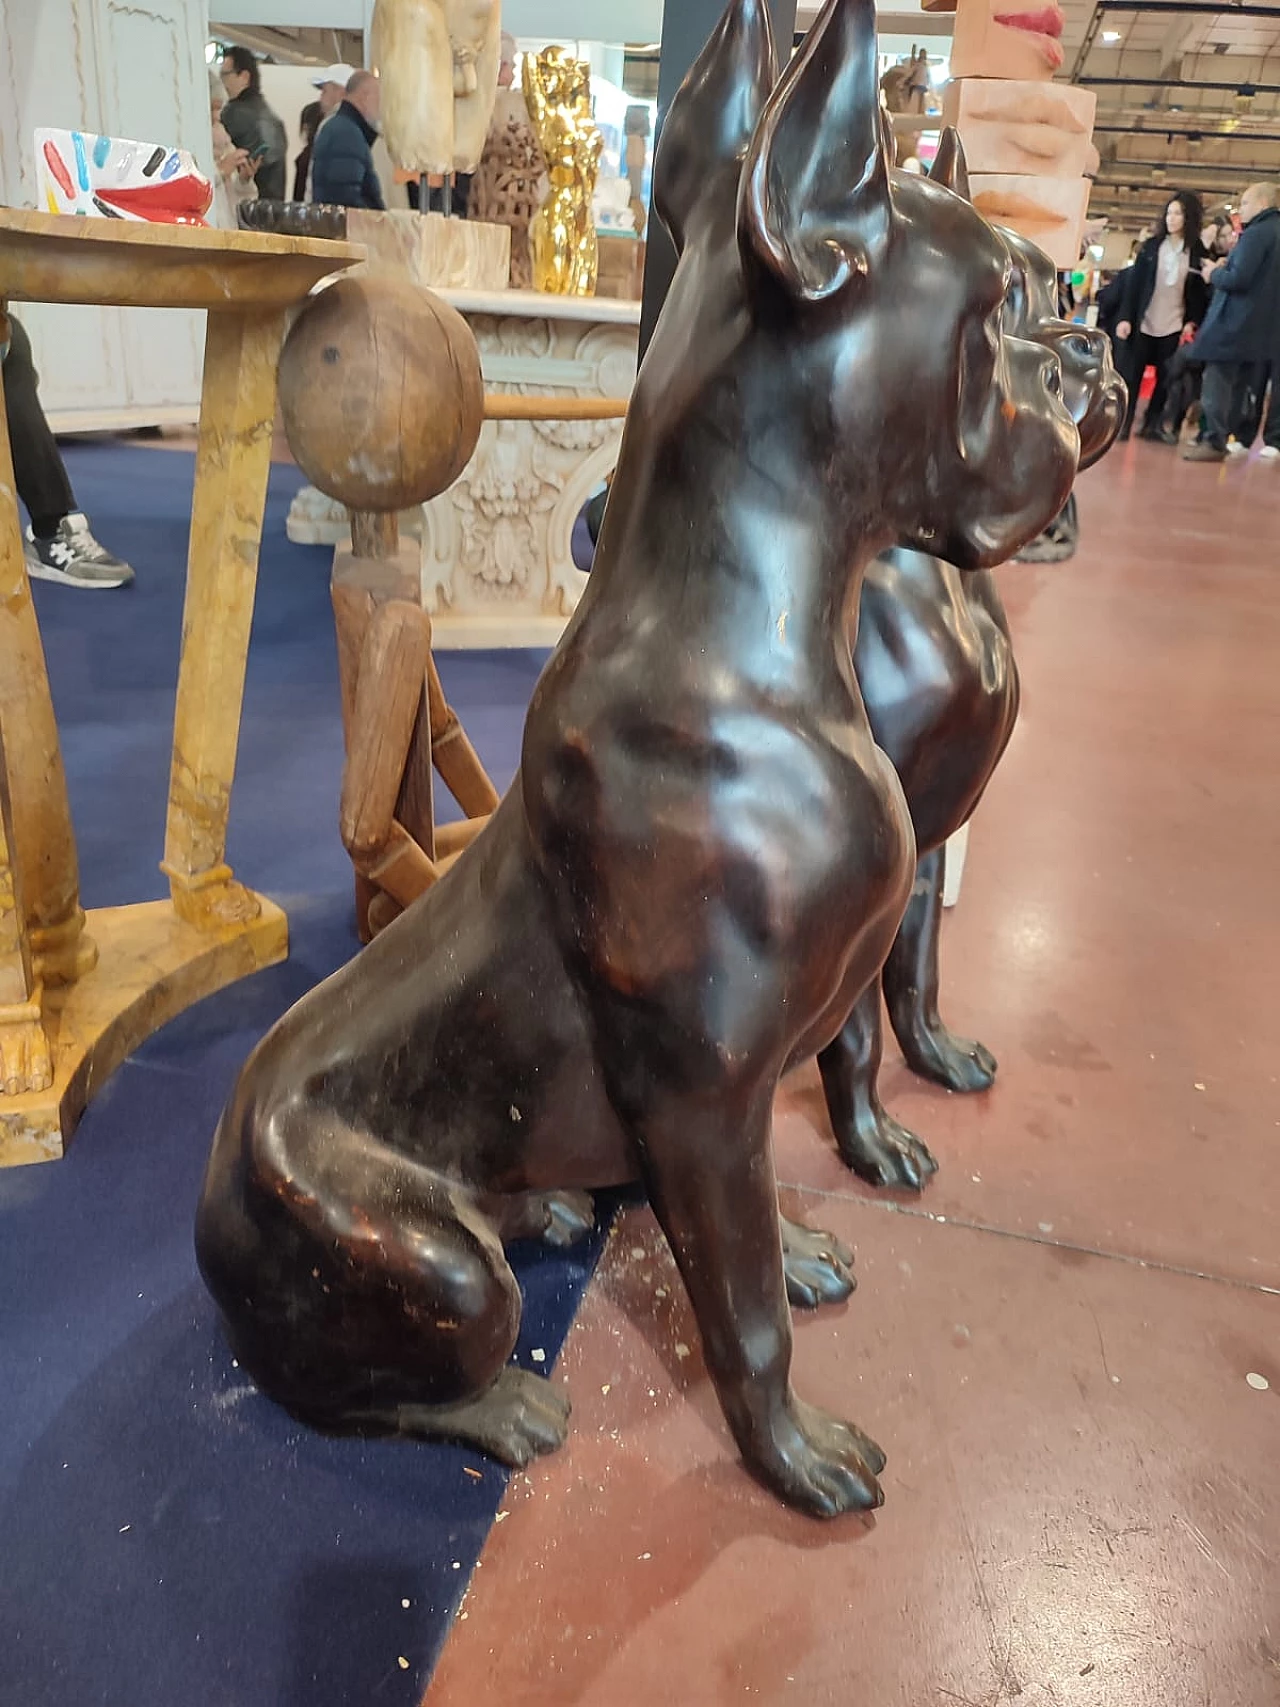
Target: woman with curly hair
1165,299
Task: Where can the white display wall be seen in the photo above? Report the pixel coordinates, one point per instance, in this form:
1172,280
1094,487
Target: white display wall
124,68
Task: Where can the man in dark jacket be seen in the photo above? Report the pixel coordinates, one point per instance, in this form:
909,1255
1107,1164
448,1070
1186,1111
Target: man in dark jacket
1241,331
251,124
342,172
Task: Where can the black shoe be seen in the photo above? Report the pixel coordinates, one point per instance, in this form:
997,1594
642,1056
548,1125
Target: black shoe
1169,437
74,557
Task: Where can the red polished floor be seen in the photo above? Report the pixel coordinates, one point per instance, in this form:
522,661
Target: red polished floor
1071,1348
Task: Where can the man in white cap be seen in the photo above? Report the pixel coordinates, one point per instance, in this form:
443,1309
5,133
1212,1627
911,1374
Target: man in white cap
332,84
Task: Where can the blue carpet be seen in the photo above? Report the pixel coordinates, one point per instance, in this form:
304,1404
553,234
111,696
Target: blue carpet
166,1534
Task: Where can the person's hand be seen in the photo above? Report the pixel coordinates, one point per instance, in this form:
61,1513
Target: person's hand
1189,330
1123,330
233,163
1209,268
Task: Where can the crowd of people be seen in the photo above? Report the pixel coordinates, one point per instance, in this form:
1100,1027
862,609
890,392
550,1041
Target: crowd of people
1199,305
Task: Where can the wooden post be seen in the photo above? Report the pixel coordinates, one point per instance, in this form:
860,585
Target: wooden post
237,415
41,844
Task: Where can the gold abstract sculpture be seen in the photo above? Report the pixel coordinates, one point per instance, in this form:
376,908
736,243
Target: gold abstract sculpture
557,88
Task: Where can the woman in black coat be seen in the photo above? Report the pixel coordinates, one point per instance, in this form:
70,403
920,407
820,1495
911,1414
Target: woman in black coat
1165,296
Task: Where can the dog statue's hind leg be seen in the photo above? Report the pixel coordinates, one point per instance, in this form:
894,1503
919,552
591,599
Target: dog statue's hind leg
409,1313
911,992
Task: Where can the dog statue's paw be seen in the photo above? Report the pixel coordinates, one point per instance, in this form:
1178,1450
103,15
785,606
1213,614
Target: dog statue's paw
819,1269
958,1063
516,1420
882,1151
821,1465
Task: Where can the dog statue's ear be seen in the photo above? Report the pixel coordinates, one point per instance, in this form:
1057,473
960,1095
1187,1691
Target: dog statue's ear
816,208
949,168
706,133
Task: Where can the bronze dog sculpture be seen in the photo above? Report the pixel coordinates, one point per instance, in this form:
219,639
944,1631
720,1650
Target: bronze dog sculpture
705,857
935,664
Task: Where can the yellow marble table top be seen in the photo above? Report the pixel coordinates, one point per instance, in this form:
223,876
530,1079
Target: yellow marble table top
53,257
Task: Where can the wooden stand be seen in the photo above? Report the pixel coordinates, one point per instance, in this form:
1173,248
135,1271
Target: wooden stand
399,729
76,994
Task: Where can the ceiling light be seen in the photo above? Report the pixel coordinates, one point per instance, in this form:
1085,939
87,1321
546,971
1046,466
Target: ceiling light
1111,35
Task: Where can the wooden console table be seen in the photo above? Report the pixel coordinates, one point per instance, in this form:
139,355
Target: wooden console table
78,993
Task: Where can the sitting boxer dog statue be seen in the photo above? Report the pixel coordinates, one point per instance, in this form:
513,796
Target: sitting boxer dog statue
935,664
705,856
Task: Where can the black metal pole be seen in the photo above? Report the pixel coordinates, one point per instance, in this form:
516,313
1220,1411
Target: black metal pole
686,26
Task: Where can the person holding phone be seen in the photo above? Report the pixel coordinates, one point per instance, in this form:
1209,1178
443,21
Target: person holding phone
252,125
1165,299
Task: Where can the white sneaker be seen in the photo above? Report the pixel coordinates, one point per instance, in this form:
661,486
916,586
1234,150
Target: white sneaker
74,557
1235,448
1269,453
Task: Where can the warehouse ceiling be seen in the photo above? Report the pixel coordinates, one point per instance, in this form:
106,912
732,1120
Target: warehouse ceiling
1188,98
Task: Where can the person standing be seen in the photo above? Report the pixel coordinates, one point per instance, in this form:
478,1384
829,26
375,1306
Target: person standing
252,125
1165,299
58,544
342,169
332,85
1241,331
233,176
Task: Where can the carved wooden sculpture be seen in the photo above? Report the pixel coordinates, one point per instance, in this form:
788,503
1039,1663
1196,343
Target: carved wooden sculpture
511,182
382,397
705,857
935,663
438,64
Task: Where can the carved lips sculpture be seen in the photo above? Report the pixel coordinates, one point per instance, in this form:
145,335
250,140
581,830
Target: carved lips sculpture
935,663
1028,140
705,856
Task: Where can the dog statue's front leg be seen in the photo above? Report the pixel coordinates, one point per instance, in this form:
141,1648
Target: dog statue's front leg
709,1170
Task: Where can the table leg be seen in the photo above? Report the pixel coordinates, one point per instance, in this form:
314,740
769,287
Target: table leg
40,841
237,416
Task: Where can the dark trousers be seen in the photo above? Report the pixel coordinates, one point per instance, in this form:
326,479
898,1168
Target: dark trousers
1224,399
1142,352
38,469
1182,379
1251,400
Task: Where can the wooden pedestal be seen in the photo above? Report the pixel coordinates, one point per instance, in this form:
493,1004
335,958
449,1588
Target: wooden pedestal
76,994
151,967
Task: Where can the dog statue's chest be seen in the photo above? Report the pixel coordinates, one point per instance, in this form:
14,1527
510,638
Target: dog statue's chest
720,839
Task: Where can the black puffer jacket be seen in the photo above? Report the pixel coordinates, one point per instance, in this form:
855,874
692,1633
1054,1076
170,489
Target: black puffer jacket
342,172
1243,322
1140,285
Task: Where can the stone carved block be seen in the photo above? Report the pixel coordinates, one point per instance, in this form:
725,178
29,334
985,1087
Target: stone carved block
497,563
443,254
